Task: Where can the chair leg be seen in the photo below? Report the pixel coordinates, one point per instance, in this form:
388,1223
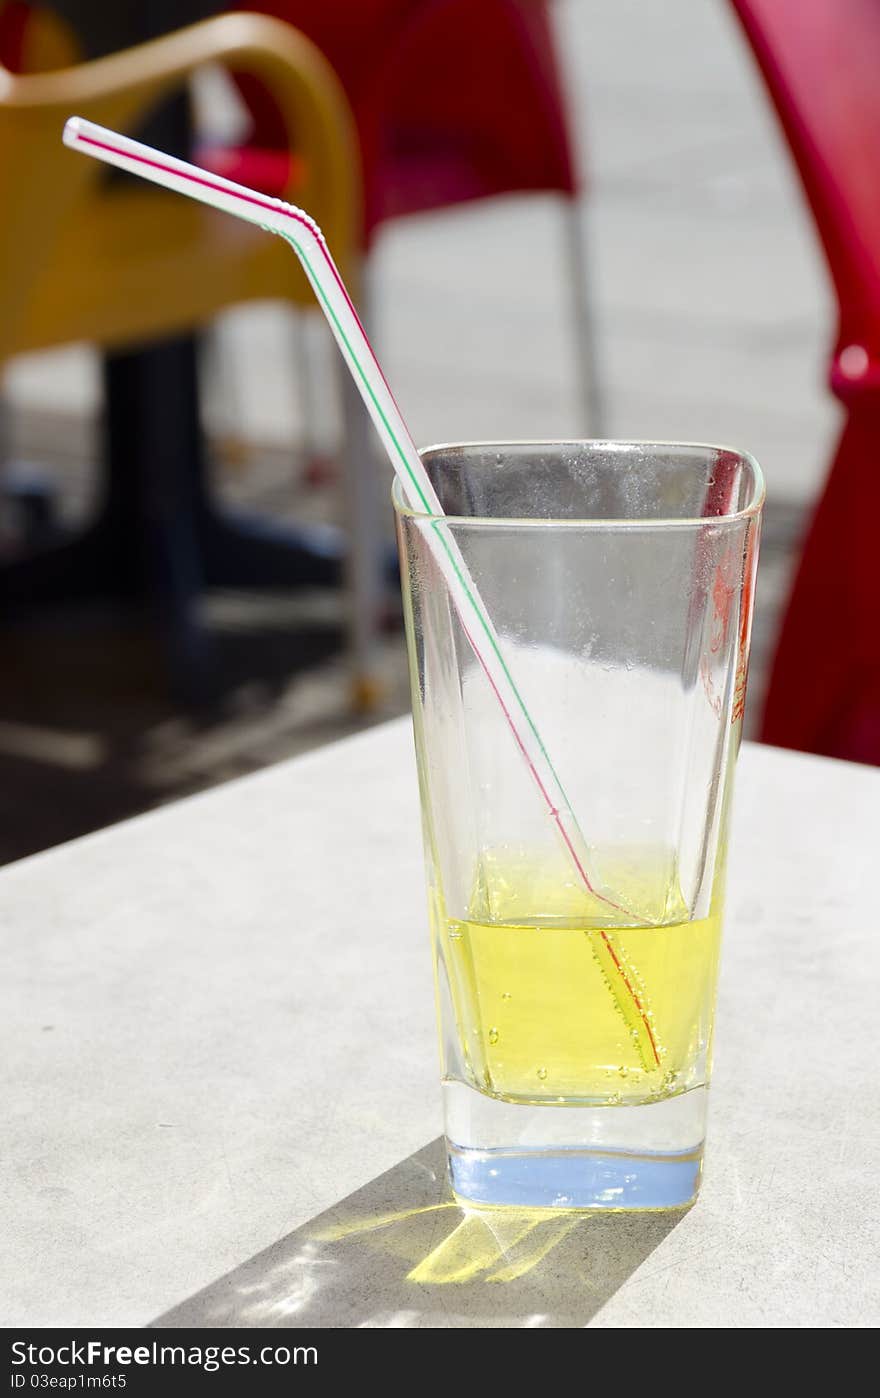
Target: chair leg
27,493
224,398
365,581
366,573
305,380
320,450
589,383
153,444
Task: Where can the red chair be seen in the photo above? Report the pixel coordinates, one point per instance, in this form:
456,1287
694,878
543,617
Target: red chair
453,101
821,62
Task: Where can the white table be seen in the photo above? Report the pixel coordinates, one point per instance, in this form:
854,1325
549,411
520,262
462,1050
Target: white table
218,1022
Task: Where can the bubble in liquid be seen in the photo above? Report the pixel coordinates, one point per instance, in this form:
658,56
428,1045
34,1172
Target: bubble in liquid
542,1074
493,1035
505,995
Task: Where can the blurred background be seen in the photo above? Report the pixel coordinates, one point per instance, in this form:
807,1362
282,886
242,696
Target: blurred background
572,218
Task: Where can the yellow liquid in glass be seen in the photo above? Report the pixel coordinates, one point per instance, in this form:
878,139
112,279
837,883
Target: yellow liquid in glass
566,1006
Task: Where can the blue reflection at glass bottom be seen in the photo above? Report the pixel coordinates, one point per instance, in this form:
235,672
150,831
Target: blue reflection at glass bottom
575,1179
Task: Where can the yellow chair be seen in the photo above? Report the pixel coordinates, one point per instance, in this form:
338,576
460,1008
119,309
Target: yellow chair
116,263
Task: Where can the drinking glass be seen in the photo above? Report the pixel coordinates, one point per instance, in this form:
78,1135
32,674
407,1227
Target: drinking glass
576,989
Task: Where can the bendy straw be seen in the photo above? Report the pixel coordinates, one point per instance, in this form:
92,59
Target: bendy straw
307,241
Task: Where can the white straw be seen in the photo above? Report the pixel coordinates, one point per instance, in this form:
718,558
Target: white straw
308,242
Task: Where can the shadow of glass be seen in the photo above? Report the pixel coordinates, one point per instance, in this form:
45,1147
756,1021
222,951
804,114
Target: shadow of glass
401,1252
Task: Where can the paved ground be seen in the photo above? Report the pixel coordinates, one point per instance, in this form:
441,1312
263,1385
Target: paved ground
712,318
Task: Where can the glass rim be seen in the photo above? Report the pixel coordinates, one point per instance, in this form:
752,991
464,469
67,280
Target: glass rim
751,510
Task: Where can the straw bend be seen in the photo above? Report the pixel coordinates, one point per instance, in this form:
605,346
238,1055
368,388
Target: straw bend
267,212
307,240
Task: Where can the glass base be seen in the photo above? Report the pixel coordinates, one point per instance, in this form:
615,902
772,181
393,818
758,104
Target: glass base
575,1179
646,1156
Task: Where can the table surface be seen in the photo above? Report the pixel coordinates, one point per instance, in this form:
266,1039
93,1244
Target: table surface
219,1023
